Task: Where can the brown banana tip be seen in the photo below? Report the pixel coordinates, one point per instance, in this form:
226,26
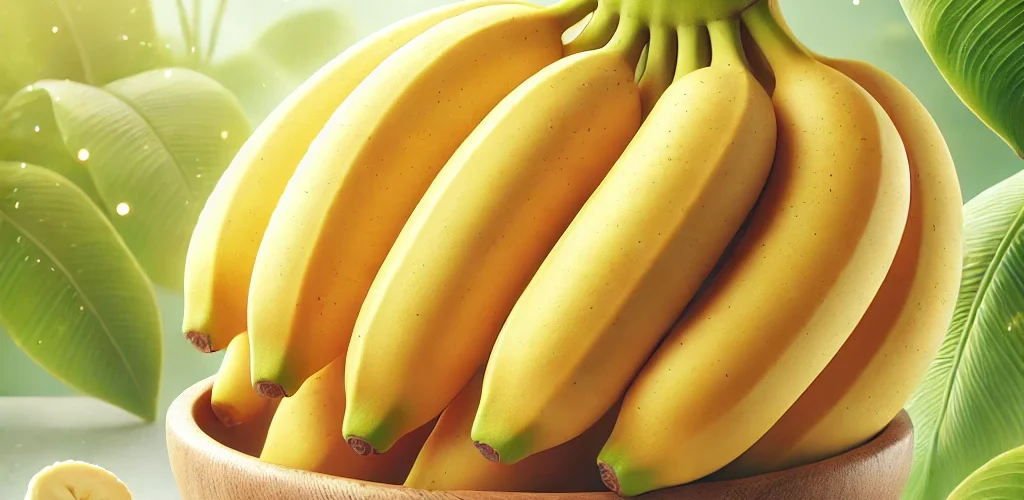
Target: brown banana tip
608,477
269,390
200,341
224,416
487,451
361,446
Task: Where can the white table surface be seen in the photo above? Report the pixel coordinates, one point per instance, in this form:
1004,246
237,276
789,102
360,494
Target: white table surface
36,432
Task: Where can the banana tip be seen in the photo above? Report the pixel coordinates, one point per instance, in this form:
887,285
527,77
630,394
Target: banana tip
224,416
361,446
269,390
608,477
200,341
487,451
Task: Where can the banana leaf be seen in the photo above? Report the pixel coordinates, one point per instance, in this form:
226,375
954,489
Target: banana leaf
978,46
72,296
148,149
970,406
1002,477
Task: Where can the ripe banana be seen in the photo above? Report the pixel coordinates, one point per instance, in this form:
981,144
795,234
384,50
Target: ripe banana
479,233
306,434
75,480
820,242
221,254
632,259
875,372
449,461
367,169
233,400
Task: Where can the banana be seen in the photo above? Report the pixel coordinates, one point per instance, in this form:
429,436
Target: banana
233,400
222,251
75,480
632,259
305,433
820,242
875,372
449,461
367,169
479,233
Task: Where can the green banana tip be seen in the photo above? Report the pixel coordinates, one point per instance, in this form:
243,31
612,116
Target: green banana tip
200,341
487,451
361,446
269,390
608,477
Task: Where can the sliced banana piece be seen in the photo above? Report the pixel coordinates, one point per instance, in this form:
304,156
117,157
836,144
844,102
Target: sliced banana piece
75,480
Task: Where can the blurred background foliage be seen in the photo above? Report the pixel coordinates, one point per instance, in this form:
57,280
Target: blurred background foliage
266,47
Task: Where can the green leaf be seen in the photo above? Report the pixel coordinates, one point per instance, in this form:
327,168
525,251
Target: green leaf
91,41
969,407
153,146
282,58
71,294
978,45
1000,478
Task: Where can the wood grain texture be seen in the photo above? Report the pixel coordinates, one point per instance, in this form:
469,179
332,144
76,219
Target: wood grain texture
208,466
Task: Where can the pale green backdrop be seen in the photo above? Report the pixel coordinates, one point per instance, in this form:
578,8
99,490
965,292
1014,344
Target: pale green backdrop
873,30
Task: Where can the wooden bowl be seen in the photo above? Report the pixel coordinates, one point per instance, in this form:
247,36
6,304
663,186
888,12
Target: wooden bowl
211,462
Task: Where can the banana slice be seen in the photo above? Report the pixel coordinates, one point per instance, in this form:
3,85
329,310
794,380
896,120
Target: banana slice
74,480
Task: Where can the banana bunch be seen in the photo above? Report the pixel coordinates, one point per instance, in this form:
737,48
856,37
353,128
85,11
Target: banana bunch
633,241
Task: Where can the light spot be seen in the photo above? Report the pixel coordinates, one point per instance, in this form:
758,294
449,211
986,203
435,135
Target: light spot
83,154
18,239
30,88
856,2
223,134
167,45
36,128
38,261
167,73
123,209
199,176
17,204
54,29
134,9
81,308
193,49
56,98
124,37
23,165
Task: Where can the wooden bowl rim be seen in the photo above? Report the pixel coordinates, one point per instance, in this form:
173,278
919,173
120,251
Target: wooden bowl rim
182,427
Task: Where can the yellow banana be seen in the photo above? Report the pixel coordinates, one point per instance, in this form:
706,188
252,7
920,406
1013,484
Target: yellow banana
632,259
75,480
819,244
449,461
875,372
306,434
478,235
233,400
221,254
367,169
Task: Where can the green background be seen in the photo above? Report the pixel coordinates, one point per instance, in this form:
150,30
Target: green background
874,30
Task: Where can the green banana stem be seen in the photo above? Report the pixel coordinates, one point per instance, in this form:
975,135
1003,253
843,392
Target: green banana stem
777,43
694,50
571,12
726,45
629,39
596,34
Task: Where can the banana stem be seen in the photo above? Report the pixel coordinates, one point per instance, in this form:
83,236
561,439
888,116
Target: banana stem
694,50
726,45
765,25
629,39
661,61
570,12
597,32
